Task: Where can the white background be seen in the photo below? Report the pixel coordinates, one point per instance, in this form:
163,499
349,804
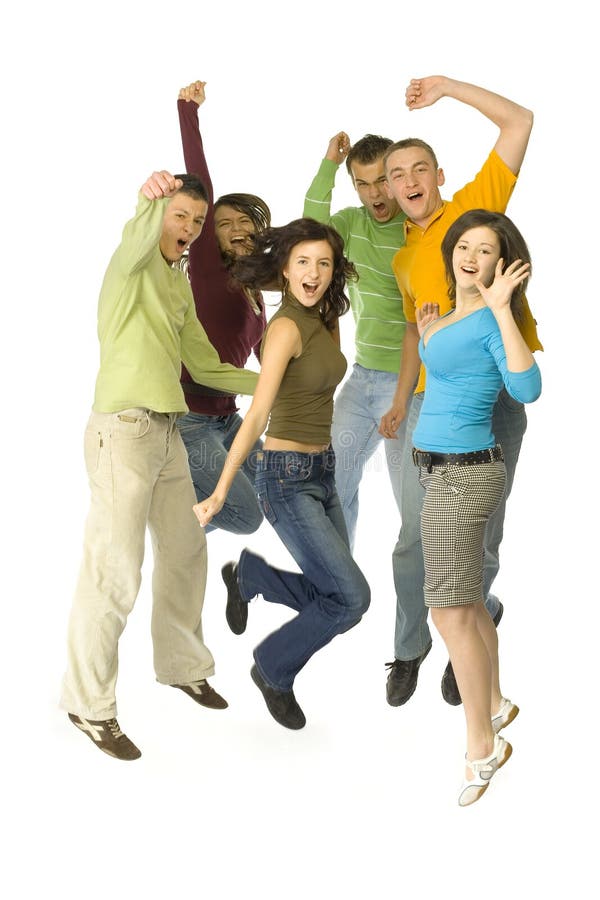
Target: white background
362,802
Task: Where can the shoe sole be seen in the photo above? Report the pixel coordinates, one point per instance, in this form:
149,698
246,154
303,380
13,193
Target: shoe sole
232,587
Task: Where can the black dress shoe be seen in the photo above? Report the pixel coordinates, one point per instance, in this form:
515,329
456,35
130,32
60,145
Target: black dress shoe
282,705
402,679
236,610
450,691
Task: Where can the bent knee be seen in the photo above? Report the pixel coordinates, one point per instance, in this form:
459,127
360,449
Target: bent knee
361,601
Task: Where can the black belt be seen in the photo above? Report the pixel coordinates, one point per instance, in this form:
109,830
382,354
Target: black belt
476,457
201,390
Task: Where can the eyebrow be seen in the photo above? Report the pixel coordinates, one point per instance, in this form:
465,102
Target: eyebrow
419,162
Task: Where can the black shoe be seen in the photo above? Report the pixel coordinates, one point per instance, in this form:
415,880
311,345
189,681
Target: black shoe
450,691
402,679
282,705
236,611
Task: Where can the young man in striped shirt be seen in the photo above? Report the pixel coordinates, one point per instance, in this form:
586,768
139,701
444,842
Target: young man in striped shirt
372,234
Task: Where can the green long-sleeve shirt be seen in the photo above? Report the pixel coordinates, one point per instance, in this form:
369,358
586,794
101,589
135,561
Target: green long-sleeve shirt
147,325
370,245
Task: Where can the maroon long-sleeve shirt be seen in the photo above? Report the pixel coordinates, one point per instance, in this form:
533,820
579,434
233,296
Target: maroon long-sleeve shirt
232,326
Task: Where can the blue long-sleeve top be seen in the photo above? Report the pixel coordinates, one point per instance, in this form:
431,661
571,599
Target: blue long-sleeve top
466,370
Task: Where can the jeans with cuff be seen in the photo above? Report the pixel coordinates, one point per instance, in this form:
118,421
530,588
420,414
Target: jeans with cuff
296,492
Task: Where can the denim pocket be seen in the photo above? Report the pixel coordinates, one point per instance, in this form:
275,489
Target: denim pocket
264,504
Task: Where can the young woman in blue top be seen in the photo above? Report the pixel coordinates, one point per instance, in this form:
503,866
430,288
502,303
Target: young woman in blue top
470,354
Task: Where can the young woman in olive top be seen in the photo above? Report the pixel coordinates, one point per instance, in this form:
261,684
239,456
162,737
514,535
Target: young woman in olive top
301,366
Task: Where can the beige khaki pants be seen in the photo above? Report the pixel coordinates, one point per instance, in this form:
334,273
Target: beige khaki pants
139,476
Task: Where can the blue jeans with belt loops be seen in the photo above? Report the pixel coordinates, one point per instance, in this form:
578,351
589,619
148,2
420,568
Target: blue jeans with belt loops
296,492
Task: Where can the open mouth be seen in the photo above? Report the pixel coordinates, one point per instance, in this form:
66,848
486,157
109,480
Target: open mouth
181,245
243,242
310,288
415,195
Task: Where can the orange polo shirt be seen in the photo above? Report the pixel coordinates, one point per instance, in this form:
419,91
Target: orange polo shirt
419,267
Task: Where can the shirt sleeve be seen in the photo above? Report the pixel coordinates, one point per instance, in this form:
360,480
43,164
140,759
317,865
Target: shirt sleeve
317,203
141,235
491,188
525,386
202,360
206,264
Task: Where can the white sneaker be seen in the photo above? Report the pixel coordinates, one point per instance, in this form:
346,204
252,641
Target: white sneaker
483,770
506,714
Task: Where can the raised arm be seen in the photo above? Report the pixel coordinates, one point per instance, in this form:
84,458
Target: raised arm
281,344
514,121
206,264
142,233
188,102
317,203
519,357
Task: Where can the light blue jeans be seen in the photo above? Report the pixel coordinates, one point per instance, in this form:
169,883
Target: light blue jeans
412,635
297,494
365,397
207,440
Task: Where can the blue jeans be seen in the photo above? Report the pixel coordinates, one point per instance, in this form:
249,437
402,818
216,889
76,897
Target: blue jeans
412,637
207,440
297,495
365,397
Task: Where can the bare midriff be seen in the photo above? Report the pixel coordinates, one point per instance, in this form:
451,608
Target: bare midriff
279,444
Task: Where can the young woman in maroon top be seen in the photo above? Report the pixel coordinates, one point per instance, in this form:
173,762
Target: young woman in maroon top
234,320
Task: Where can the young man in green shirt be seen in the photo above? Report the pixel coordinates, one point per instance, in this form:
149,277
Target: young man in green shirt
372,234
138,469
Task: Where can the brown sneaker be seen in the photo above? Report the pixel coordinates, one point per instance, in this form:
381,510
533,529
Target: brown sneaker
204,694
107,736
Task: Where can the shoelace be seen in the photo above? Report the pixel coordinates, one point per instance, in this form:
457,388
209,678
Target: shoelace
114,729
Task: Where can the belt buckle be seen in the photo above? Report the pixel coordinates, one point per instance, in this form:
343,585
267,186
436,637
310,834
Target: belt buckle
422,458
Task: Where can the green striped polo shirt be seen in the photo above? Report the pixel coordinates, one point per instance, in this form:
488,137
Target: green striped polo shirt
375,299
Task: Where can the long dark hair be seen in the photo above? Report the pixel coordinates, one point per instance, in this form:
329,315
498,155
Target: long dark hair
263,268
512,247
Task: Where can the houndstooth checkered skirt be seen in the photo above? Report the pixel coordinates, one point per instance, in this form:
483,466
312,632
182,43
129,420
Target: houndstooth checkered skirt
458,502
